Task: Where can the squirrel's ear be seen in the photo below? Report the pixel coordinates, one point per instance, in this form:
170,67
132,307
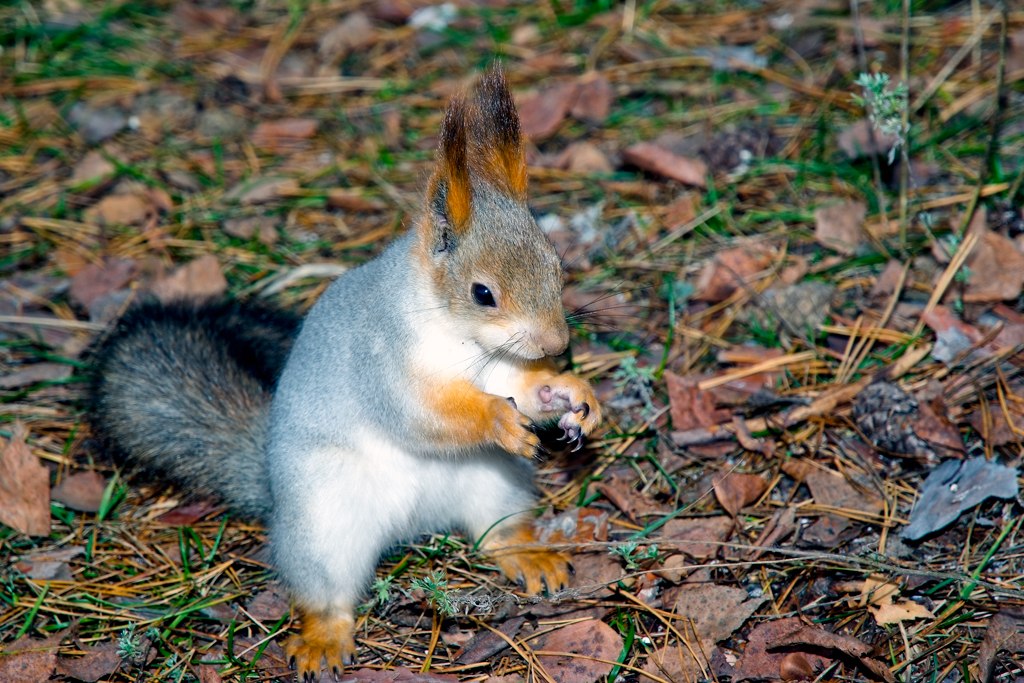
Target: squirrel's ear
496,135
449,194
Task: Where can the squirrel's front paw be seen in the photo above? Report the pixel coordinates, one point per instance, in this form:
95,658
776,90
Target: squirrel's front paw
324,640
575,399
521,559
511,429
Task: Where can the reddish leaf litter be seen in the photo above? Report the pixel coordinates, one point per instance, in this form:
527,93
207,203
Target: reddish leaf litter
807,333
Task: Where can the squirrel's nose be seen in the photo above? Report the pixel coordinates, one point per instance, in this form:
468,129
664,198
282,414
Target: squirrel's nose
553,341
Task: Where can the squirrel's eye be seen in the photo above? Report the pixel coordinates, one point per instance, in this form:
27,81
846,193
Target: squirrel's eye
482,295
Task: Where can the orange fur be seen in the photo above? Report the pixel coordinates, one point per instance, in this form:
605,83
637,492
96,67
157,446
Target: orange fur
520,557
541,373
504,166
452,174
466,416
323,639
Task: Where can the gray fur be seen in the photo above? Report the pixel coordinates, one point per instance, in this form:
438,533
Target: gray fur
183,391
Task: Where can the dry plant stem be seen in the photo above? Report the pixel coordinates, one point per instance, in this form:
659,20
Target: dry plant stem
904,127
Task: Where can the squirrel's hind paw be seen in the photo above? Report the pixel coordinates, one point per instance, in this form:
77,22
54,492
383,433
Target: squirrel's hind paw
323,641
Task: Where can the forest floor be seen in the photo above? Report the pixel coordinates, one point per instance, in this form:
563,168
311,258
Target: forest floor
796,286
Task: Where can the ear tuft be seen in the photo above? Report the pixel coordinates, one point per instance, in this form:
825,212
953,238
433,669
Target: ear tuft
450,191
496,137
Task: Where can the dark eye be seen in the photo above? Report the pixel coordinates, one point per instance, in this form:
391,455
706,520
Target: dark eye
482,295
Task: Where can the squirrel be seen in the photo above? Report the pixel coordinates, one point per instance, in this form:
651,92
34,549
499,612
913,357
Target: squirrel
404,403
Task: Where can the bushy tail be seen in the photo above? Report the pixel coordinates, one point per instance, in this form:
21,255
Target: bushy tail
183,390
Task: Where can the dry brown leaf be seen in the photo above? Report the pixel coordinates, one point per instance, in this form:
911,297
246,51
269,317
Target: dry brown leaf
353,32
82,491
690,406
97,280
729,270
1005,633
29,660
660,161
49,565
758,664
591,641
716,612
284,135
542,113
996,270
832,489
700,538
351,201
121,209
583,157
681,211
994,427
486,643
681,663
932,425
93,167
262,190
593,99
840,226
887,281
735,491
97,662
37,372
199,278
847,646
24,487
269,604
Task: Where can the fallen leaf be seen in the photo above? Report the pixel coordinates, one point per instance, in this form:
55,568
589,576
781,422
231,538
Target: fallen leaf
758,664
121,209
353,32
97,280
932,425
955,487
887,281
690,406
199,278
796,667
49,565
996,270
594,96
269,604
24,487
97,662
82,491
29,660
351,201
591,641
584,157
701,538
999,426
262,190
735,491
542,113
186,515
93,168
683,663
848,646
35,373
485,644
1005,633
660,161
730,270
716,612
595,572
681,211
284,135
840,226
